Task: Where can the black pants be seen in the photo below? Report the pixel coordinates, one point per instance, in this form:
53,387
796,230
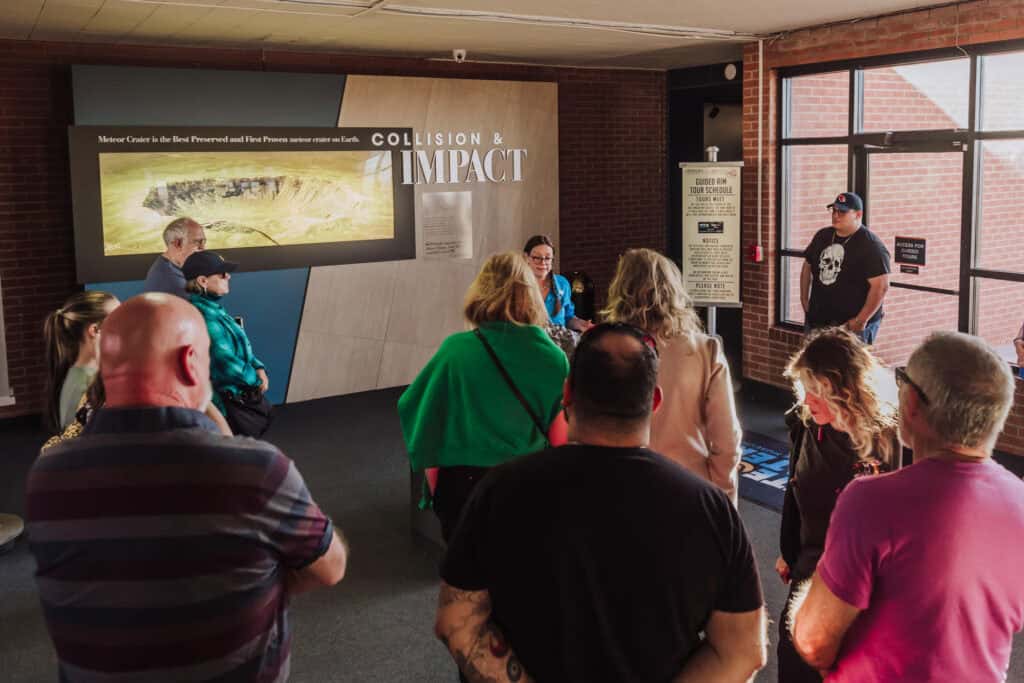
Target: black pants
454,484
792,667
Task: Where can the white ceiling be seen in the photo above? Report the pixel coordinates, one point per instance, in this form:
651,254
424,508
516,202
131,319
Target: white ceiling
654,34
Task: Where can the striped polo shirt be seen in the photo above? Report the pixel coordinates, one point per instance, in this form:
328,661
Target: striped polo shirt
162,549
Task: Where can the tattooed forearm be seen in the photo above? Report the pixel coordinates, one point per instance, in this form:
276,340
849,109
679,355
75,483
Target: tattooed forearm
514,669
490,657
479,600
477,645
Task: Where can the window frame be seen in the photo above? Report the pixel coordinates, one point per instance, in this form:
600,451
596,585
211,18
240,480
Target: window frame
917,140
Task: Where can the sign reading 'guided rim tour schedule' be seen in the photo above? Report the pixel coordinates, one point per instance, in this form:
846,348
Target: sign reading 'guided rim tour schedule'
711,232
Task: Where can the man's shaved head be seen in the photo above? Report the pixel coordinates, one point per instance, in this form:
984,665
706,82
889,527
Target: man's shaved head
155,351
613,377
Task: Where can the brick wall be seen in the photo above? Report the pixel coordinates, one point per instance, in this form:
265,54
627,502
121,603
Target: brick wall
766,347
612,146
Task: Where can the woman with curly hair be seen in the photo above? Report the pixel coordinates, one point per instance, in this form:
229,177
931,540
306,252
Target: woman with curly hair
696,425
843,426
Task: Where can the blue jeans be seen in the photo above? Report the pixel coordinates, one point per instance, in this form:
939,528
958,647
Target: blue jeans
870,331
867,335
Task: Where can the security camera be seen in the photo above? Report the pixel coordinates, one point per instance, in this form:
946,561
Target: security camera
459,56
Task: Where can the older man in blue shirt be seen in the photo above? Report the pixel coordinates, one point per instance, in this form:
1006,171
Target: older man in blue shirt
183,237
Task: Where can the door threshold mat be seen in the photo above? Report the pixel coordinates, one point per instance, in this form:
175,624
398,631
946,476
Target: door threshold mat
764,470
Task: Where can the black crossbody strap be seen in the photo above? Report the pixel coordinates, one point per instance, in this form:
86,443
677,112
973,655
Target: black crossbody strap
511,384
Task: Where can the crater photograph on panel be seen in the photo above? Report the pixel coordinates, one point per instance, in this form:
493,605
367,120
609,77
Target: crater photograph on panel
246,199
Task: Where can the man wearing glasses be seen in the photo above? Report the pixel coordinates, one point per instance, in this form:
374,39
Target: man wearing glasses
846,273
183,237
602,560
920,579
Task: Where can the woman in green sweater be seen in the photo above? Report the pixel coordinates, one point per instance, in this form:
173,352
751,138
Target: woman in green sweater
460,414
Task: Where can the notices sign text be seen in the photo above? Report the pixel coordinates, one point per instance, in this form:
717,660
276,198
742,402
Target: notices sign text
711,232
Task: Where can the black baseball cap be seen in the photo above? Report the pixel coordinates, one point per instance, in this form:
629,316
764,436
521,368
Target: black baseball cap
847,201
206,263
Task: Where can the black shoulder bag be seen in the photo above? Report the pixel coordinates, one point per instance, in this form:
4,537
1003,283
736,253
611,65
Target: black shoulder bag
511,385
249,413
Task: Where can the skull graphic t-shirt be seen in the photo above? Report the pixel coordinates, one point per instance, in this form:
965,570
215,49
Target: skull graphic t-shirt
842,267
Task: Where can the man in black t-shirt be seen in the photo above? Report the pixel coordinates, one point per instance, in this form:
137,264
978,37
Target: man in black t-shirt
602,560
846,273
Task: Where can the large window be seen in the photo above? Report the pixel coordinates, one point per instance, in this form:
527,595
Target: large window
931,163
931,95
816,114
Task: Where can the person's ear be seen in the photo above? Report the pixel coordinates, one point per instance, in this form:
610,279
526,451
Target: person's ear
566,394
93,330
910,403
188,364
656,400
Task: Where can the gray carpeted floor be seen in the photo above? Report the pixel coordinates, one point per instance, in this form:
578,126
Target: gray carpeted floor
377,624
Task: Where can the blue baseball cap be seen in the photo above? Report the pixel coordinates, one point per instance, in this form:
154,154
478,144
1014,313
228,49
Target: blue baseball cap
206,263
847,201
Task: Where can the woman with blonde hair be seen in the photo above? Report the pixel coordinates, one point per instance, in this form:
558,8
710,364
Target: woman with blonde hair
72,337
843,426
696,425
488,394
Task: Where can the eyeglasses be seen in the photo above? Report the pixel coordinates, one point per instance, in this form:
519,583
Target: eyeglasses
903,378
839,211
541,259
199,243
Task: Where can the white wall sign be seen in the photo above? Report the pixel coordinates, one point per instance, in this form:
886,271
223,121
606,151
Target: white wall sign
711,232
447,225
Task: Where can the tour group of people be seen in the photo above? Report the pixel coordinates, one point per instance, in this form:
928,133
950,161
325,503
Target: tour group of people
186,270
585,478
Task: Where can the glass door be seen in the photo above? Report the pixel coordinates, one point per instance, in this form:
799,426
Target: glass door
916,193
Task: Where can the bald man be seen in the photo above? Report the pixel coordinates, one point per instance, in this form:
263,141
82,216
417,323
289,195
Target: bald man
166,550
182,238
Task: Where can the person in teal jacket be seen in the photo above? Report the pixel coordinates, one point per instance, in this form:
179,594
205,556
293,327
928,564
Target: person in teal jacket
234,368
459,414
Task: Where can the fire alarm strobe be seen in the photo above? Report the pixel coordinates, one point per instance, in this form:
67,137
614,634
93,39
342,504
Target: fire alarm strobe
756,253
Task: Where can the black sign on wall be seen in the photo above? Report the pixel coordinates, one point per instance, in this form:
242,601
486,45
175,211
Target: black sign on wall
909,250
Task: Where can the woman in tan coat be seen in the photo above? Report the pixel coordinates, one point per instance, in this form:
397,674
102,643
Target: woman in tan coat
696,425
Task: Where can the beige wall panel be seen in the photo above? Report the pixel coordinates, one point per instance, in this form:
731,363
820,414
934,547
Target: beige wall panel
346,300
427,305
328,365
414,305
400,362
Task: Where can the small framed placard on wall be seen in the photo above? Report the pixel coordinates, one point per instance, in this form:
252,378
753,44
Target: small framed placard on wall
910,250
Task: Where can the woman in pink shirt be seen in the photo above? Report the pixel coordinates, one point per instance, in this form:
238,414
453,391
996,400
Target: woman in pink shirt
696,425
